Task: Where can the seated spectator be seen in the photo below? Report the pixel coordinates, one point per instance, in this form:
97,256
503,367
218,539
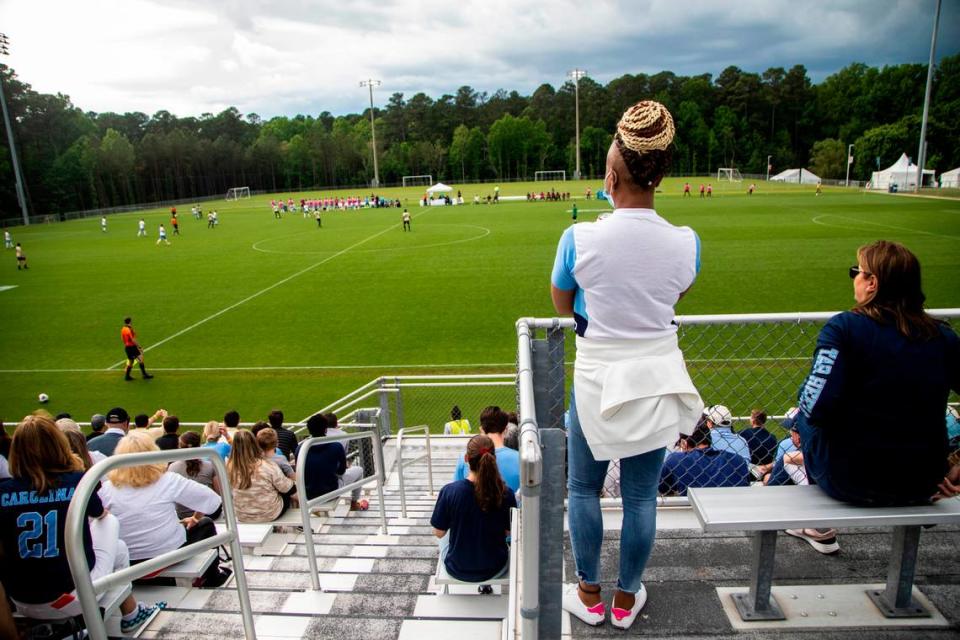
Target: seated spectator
326,466
788,467
720,422
472,518
170,438
47,473
267,441
698,464
143,421
334,430
511,437
213,431
789,444
762,443
78,446
953,428
199,470
493,422
261,493
97,425
286,438
118,423
457,425
144,499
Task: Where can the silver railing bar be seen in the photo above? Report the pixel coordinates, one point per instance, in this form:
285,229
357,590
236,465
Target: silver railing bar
402,432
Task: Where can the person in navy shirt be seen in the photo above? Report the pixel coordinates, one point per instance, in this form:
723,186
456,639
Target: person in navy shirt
493,424
762,443
472,517
697,464
326,466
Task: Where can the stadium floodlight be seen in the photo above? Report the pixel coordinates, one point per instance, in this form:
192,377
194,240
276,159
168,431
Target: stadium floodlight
236,193
576,74
371,83
418,181
921,154
18,176
849,161
544,176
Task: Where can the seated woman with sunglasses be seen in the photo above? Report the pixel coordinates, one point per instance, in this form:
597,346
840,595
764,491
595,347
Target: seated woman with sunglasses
871,408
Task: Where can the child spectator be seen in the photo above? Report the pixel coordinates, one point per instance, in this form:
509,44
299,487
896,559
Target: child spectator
199,470
327,468
261,493
493,423
472,517
286,438
144,499
45,470
267,441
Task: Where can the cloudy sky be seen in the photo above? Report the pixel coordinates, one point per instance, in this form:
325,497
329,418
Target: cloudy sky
305,56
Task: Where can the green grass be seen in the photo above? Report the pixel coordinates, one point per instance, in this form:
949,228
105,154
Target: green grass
362,298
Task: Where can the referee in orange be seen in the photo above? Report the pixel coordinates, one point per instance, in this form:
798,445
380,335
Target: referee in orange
133,350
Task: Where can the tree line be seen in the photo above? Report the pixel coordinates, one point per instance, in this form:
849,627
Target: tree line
74,159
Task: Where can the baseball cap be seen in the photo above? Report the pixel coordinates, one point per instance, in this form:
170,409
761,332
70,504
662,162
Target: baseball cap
97,421
117,415
719,415
790,421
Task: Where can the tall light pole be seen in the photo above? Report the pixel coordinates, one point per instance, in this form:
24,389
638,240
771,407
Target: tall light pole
849,161
576,74
21,194
371,83
922,153
768,167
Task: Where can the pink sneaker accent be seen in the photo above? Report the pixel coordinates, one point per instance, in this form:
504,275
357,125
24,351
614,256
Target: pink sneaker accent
624,618
619,613
598,609
574,606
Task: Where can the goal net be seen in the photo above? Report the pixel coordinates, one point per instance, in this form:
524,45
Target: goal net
237,193
543,176
733,175
418,181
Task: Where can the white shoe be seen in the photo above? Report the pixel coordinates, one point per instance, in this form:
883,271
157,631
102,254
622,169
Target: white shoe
623,618
574,606
823,541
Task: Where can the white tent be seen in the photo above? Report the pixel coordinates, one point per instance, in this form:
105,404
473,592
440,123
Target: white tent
950,178
439,188
902,173
796,176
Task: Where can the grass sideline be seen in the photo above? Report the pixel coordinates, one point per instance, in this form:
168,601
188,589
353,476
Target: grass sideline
260,313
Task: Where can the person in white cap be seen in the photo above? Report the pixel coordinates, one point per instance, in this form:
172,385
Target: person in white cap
720,423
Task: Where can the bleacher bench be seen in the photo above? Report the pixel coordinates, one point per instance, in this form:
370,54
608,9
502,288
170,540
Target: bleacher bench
292,517
443,578
187,571
108,606
251,535
766,510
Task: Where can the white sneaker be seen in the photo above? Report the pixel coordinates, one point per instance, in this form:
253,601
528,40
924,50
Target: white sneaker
823,541
574,606
623,618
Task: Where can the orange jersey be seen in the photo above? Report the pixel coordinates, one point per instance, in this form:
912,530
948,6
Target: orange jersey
174,221
128,336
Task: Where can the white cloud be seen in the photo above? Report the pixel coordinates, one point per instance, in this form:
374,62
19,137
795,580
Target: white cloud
291,56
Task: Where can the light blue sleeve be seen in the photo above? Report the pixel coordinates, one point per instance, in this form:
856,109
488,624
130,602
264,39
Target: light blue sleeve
697,267
562,276
461,471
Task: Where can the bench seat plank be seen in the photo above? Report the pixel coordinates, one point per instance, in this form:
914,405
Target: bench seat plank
794,507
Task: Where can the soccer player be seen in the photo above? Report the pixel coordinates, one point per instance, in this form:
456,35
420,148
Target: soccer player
7,239
406,220
574,212
686,189
21,259
141,228
103,224
316,214
210,220
819,189
132,349
701,190
709,190
750,190
175,224
163,235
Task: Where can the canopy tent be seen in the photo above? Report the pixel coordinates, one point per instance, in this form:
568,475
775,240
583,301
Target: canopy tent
950,179
796,176
902,173
439,188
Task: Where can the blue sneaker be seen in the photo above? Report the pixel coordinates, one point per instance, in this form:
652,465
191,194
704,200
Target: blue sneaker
143,616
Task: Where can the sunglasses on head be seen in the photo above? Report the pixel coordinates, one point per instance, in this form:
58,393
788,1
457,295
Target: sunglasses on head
855,270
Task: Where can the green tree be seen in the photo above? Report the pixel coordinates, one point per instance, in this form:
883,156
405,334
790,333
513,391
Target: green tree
828,158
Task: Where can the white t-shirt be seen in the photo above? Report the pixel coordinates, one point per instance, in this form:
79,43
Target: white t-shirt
148,515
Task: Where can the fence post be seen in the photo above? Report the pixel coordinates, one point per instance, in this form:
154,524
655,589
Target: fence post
365,448
385,429
548,384
401,424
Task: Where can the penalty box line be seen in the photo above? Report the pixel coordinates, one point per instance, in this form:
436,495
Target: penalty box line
263,291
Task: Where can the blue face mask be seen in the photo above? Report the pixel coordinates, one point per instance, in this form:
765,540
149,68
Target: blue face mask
606,193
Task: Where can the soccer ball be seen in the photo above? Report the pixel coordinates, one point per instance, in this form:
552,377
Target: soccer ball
43,397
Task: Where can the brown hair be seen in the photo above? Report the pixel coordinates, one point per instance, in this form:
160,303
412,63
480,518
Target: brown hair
245,457
758,416
899,298
267,441
78,444
142,475
191,440
493,420
39,452
482,459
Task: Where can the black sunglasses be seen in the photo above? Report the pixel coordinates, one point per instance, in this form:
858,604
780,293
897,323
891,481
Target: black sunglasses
855,270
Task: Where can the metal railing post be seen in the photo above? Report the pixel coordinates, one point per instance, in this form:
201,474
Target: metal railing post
428,455
398,403
385,428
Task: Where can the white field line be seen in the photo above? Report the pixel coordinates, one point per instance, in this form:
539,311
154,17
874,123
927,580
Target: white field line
816,220
262,291
7,287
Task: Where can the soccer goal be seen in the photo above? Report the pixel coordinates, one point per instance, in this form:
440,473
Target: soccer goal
237,193
543,176
417,181
725,173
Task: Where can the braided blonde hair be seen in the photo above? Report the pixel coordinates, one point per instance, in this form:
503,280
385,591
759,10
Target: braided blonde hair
644,137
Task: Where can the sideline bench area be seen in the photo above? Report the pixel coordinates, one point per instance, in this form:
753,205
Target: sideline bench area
767,510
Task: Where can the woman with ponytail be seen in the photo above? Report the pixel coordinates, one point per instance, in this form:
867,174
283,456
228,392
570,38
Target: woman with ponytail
472,517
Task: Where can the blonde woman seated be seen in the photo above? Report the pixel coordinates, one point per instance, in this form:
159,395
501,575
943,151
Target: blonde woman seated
261,493
212,432
144,498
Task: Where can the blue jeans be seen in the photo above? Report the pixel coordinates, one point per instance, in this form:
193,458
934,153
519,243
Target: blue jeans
639,479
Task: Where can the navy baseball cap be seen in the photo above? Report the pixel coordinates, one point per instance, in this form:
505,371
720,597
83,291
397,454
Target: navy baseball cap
117,415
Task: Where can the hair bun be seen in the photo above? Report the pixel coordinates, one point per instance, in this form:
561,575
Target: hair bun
645,127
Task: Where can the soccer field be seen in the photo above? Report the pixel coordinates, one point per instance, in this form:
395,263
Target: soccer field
262,313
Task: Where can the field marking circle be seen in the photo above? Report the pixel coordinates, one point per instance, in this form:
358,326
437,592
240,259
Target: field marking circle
817,220
485,232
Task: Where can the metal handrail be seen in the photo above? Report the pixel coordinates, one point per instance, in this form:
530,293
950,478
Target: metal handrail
402,432
306,505
87,589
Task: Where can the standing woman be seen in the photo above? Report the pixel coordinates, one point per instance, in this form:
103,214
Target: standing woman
620,278
871,409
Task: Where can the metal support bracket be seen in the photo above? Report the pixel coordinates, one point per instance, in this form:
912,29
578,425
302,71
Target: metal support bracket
897,601
758,603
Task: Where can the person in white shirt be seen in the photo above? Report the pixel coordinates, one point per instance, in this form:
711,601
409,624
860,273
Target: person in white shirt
103,224
620,278
162,235
142,228
144,499
7,240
